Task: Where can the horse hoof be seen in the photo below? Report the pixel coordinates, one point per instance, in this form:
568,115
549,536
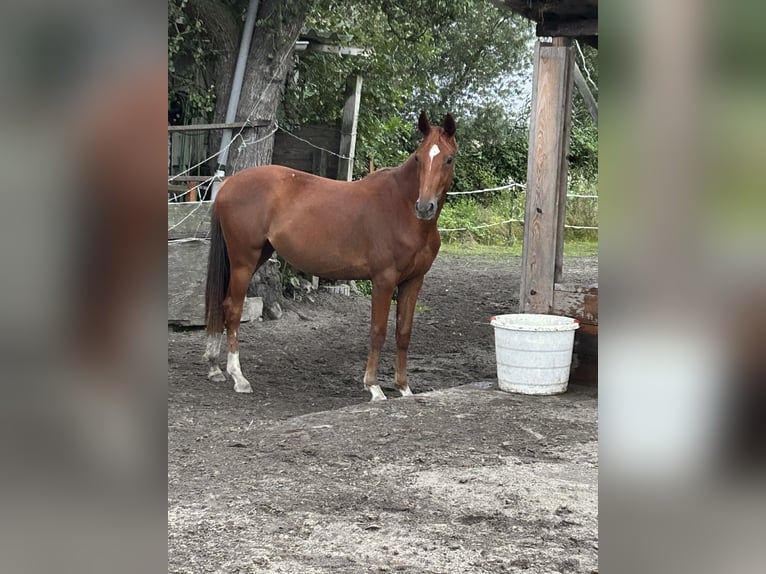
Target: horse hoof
406,392
246,388
377,393
218,377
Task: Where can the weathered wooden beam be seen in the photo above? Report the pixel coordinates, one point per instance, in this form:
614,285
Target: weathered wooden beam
558,271
587,95
197,178
319,163
546,165
567,28
330,49
207,127
348,127
577,301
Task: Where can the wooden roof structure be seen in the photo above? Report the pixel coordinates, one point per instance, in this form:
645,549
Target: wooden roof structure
559,18
313,40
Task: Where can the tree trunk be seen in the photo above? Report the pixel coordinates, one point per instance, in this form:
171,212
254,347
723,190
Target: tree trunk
223,25
270,59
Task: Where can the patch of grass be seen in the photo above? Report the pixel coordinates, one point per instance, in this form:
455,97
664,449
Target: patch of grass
479,221
580,248
479,249
420,308
573,248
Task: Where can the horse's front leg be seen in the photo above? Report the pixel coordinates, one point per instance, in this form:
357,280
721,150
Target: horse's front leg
405,311
382,291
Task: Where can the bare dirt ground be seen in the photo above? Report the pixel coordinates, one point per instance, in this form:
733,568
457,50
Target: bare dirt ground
305,475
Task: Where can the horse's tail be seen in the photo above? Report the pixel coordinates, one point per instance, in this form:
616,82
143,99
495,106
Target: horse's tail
218,273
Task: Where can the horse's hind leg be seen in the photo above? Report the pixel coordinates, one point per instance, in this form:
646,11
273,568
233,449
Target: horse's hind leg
232,305
212,351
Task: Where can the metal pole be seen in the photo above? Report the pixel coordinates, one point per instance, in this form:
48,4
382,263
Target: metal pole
236,90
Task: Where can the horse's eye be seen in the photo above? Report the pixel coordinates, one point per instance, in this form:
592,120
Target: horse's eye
449,160
417,158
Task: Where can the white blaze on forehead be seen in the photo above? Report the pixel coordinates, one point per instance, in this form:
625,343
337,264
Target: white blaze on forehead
432,153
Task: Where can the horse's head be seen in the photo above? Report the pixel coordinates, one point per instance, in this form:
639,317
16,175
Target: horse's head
434,158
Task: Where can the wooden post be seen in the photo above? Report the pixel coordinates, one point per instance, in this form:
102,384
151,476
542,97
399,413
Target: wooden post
569,64
348,128
546,172
192,195
319,163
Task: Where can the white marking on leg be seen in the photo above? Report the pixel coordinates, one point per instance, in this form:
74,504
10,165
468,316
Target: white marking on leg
215,374
406,392
377,393
232,364
212,351
241,384
432,153
213,346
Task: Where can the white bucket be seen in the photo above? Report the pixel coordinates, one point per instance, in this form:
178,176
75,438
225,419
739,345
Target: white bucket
534,352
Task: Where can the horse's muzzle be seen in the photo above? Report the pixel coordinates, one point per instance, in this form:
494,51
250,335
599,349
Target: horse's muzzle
425,210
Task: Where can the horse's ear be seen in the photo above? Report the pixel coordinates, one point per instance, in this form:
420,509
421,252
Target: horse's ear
423,124
449,125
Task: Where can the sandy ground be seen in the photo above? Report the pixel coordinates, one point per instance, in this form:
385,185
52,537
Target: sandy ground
305,475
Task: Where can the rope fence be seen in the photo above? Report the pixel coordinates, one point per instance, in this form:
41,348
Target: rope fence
512,185
187,216
340,155
505,222
501,188
443,229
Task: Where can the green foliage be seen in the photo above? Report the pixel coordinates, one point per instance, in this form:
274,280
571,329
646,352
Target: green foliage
189,55
492,153
472,213
572,248
483,222
583,146
364,286
438,56
582,211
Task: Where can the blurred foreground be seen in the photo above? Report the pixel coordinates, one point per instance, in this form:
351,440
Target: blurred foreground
683,329
82,411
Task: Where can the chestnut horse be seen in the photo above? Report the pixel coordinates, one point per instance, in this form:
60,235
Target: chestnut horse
382,227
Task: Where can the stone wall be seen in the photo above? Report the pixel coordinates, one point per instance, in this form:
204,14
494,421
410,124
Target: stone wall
187,272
